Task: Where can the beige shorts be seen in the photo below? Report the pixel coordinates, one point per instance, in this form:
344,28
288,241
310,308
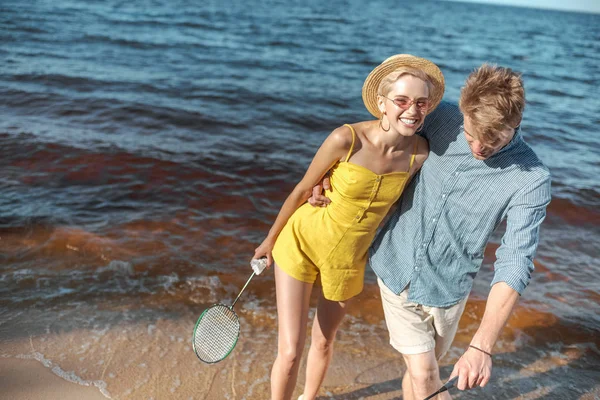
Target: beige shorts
415,328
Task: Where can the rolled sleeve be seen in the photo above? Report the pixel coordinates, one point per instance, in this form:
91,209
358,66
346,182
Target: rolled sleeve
514,257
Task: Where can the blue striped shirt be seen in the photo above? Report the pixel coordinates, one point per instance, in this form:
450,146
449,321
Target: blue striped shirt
436,238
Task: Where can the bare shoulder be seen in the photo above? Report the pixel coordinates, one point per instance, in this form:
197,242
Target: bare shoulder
422,151
341,137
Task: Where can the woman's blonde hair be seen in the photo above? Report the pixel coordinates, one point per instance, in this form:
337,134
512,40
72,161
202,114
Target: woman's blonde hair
392,77
493,98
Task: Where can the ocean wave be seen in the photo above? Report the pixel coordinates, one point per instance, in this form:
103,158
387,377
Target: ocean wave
136,44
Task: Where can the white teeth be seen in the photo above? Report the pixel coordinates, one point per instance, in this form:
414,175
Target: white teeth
408,121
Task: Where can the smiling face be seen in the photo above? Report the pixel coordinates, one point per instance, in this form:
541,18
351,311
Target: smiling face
484,149
409,91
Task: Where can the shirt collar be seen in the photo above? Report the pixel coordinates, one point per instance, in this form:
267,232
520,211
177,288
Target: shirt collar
514,142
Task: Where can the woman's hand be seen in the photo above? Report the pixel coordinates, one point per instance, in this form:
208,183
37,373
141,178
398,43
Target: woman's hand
264,250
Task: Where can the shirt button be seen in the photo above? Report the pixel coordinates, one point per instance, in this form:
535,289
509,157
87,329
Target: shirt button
443,196
416,268
423,245
378,178
456,173
432,219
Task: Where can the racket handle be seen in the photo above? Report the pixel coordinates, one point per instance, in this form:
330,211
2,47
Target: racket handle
259,265
451,383
446,386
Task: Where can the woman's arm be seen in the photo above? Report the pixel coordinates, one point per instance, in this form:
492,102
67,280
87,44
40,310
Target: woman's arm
332,150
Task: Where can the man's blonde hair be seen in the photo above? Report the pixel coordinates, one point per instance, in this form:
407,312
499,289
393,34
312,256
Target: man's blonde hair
493,98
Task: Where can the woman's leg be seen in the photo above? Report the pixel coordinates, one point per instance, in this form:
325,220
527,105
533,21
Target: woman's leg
327,320
292,314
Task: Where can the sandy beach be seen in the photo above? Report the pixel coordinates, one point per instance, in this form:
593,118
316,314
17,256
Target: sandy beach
142,359
29,380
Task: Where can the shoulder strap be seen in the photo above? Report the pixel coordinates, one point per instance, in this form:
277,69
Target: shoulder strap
414,153
353,138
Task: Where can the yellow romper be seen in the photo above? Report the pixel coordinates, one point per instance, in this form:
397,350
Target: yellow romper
333,241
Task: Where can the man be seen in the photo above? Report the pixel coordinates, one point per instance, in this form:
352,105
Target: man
479,172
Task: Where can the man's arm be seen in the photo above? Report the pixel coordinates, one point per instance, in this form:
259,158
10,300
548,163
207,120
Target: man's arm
513,269
474,368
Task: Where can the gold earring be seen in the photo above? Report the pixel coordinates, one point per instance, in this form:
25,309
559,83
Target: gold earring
381,124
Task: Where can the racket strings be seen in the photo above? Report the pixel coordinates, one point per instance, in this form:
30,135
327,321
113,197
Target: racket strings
216,334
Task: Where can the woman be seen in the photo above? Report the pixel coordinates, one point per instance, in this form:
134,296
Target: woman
371,163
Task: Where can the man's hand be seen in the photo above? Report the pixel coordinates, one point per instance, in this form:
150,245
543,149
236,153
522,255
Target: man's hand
474,369
318,198
475,366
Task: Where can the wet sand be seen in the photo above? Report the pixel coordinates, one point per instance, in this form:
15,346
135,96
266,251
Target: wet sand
145,359
30,380
149,356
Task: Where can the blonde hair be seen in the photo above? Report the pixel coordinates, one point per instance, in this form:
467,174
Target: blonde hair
392,77
493,98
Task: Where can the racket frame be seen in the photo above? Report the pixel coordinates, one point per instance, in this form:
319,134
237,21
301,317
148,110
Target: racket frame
257,271
196,327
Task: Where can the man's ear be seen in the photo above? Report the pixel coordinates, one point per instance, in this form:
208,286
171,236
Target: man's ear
519,124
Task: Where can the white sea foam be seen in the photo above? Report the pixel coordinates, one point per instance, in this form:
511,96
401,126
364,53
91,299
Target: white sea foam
100,331
167,282
202,284
23,274
122,267
66,375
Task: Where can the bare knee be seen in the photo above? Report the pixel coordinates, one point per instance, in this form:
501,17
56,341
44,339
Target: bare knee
321,344
423,376
289,356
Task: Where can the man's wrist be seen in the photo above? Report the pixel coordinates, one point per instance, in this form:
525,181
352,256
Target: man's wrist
481,350
482,342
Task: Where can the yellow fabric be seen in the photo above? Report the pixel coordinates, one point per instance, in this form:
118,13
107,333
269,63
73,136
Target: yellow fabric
333,241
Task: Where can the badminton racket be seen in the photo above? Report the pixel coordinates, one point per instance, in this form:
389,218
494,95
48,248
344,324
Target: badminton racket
446,386
217,330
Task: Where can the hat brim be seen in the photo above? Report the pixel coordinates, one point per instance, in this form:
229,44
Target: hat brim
371,85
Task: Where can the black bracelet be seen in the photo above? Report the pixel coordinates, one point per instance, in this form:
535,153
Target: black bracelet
483,351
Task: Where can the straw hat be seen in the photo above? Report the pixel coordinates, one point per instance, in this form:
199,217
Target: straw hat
369,90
